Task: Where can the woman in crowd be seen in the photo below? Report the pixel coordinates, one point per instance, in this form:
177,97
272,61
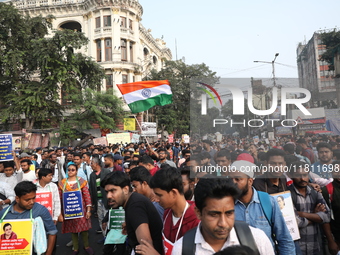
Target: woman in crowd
77,225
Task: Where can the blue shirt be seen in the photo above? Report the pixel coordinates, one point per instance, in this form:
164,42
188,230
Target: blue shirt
323,170
255,217
37,210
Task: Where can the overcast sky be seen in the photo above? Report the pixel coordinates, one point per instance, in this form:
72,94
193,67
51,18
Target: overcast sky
229,35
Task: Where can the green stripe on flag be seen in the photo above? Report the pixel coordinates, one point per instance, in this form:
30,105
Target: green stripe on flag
143,105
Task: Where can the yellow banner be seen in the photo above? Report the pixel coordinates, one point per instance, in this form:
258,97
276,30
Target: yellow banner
129,124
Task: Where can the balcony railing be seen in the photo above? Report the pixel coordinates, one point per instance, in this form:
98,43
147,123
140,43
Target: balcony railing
37,3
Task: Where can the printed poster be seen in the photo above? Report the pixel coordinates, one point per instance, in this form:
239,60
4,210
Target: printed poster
16,237
129,124
149,129
135,138
114,138
6,148
116,218
72,205
285,202
171,138
100,141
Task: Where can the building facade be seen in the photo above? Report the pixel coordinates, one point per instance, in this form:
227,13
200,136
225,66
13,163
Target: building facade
117,39
314,74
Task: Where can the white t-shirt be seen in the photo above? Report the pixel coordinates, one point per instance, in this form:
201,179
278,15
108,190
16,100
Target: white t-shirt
29,176
203,248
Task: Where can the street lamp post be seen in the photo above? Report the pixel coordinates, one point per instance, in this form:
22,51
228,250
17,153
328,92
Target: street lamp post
273,67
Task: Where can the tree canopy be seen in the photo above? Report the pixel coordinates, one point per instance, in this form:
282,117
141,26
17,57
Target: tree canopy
176,116
39,72
332,42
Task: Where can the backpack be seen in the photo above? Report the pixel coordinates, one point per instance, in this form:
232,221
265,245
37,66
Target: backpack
243,233
266,205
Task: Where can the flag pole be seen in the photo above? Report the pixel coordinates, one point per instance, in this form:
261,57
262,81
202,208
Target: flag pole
140,127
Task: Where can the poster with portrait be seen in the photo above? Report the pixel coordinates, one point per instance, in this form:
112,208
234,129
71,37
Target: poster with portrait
285,202
16,237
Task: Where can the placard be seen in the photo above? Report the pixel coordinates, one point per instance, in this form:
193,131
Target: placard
116,218
100,141
45,199
20,234
6,147
135,138
72,205
114,138
129,124
149,129
271,136
285,202
171,138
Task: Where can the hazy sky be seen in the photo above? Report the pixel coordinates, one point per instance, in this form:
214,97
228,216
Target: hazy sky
229,35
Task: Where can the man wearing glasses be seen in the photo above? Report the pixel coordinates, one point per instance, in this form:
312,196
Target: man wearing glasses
162,159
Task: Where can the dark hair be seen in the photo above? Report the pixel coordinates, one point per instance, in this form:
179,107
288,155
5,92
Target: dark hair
167,178
298,149
323,145
146,160
185,151
9,164
35,156
214,188
134,163
76,155
282,198
109,156
116,178
296,165
24,187
205,154
236,250
6,225
140,174
224,153
290,148
186,171
275,152
44,172
28,161
86,153
290,159
301,141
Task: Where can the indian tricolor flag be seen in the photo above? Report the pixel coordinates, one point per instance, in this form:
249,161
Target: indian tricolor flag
142,95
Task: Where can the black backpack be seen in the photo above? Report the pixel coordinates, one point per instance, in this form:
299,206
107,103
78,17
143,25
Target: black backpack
243,233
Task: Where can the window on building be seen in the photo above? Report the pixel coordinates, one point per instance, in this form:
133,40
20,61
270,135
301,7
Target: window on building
124,78
108,49
107,21
130,24
109,81
123,49
99,50
133,79
123,22
131,51
97,22
154,60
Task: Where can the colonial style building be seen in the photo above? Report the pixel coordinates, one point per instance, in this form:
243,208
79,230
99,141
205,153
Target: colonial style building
117,39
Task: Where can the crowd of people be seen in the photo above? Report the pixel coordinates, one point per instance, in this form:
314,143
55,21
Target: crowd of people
206,197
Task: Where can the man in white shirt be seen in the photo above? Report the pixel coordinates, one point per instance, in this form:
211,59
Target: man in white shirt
47,193
24,173
215,199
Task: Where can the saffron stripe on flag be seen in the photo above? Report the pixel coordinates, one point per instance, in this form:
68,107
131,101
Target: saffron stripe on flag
130,87
138,95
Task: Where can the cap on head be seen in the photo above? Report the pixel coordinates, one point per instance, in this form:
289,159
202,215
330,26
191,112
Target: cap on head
244,166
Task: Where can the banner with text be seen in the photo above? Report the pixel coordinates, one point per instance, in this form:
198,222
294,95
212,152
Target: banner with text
114,138
6,143
73,205
149,129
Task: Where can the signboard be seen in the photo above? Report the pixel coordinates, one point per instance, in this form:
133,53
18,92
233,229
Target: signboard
312,127
185,138
45,199
16,141
116,218
149,129
318,116
72,205
129,124
271,136
135,138
114,138
100,141
17,237
285,202
283,131
171,138
6,147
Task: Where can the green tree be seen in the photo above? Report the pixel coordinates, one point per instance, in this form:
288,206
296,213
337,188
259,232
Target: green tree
332,42
35,70
176,116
